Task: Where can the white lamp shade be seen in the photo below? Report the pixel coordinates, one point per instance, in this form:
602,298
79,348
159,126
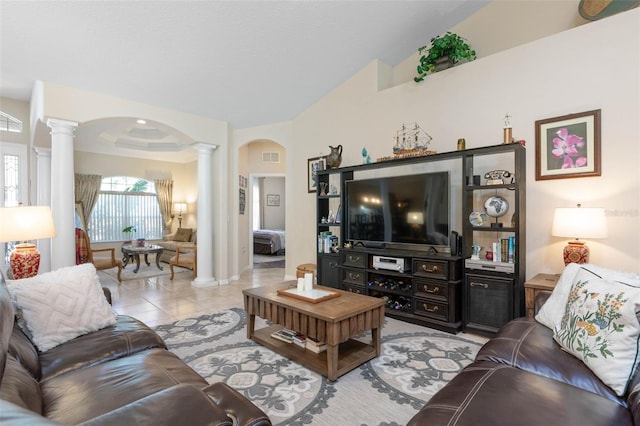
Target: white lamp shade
579,222
26,223
415,218
180,208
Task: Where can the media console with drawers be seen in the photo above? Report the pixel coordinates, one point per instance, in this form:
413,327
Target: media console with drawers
419,287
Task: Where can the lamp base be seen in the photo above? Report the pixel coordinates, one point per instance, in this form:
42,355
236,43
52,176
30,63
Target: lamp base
575,252
24,261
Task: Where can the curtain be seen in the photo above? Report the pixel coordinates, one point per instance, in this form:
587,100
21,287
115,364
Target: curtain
87,187
164,192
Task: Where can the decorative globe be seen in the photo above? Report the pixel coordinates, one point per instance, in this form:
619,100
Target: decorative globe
496,206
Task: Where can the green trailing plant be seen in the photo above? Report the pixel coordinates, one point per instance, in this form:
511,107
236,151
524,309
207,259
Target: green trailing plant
129,230
449,45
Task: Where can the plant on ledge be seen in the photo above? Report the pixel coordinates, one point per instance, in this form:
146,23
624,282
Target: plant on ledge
128,231
450,46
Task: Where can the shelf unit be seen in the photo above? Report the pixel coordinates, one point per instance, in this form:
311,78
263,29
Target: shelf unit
475,299
493,287
427,291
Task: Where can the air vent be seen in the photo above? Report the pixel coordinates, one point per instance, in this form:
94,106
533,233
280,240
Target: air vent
270,157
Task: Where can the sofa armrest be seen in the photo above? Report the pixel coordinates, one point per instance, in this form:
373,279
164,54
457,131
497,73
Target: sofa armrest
180,404
541,298
236,406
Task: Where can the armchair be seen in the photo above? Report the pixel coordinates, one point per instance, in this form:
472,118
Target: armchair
186,256
84,254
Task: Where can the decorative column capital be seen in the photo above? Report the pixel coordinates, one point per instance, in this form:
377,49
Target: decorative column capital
204,148
42,152
64,127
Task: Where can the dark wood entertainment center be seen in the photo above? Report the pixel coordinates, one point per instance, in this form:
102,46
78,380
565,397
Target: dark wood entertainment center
429,285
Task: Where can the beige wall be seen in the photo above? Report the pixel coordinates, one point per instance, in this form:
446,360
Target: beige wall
550,77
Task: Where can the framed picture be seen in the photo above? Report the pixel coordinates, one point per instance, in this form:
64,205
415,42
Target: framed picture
568,146
313,165
243,200
273,200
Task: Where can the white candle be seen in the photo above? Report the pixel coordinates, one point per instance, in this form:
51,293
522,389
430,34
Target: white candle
308,282
300,284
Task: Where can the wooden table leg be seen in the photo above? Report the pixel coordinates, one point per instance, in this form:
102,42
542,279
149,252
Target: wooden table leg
332,362
251,325
376,336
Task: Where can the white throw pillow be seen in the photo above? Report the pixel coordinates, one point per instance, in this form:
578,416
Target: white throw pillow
61,305
599,326
552,311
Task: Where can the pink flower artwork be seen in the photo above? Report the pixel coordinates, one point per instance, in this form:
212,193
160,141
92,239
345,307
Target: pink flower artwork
567,147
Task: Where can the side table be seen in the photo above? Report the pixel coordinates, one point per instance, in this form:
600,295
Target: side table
536,284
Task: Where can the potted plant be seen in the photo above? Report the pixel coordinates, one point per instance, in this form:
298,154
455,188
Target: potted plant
128,231
450,47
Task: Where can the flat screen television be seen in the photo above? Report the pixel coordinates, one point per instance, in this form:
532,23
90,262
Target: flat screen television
398,210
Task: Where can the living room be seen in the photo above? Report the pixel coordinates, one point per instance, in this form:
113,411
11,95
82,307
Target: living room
581,67
370,107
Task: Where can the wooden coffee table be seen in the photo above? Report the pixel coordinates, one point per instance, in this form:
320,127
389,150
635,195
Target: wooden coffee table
333,321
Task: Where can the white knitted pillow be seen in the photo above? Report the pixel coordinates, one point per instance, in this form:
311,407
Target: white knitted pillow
61,305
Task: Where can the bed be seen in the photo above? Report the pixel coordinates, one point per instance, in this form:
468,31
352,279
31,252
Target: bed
268,241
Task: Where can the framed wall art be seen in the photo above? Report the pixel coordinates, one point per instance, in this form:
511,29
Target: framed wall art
313,165
243,200
568,146
273,200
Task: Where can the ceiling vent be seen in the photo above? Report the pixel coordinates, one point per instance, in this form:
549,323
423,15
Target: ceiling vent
270,157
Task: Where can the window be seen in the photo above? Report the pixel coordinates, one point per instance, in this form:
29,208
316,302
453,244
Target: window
13,180
125,201
9,123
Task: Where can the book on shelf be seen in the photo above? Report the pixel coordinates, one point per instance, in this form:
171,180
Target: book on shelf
300,340
279,335
314,345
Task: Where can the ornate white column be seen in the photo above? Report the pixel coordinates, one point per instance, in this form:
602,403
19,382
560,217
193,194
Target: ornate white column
205,218
43,194
63,246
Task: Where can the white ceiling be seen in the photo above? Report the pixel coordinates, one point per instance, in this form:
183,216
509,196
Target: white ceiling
245,62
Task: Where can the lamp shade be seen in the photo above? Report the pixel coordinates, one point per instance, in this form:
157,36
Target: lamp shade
415,218
180,208
26,223
579,222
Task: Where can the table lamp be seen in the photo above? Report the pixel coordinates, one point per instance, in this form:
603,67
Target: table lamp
25,224
180,208
578,222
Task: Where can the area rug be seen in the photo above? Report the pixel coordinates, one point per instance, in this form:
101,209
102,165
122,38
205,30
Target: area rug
414,364
144,272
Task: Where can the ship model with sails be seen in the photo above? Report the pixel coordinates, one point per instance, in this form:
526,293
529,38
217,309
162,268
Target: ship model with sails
410,141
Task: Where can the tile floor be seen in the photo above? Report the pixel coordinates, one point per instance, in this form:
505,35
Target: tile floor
159,300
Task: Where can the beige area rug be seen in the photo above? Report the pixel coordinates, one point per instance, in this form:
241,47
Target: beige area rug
415,363
144,272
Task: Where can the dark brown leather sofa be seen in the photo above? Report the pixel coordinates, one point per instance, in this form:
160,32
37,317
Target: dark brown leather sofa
122,374
522,377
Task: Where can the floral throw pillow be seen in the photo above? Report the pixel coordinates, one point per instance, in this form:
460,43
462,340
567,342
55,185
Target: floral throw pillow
600,327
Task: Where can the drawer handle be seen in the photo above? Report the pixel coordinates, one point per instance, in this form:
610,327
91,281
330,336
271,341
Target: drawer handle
354,258
354,276
332,264
426,308
436,290
483,285
431,269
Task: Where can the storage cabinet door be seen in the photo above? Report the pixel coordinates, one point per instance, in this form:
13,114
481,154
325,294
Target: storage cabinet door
329,275
488,301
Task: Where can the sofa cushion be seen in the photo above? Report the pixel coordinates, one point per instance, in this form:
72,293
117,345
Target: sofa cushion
552,311
22,348
82,394
485,393
600,327
61,305
525,344
183,235
126,337
20,387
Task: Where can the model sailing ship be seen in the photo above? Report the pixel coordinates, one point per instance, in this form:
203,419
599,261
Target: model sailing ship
410,141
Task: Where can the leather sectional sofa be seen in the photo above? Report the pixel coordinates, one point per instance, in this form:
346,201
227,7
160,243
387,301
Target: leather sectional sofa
522,377
121,374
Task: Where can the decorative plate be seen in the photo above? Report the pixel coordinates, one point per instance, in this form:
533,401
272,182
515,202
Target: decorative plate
496,206
477,218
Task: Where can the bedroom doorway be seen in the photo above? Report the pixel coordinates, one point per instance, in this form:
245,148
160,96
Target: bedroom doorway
268,221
